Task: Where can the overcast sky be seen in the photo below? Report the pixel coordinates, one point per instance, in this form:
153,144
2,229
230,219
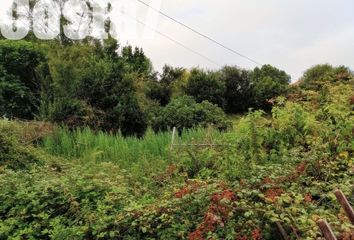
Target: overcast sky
291,35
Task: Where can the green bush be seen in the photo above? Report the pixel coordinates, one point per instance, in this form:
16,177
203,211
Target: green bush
15,156
57,204
206,86
21,65
73,113
14,96
238,92
315,77
94,86
268,82
185,113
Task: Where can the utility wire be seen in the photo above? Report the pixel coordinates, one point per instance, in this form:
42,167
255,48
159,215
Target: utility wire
200,34
158,32
178,43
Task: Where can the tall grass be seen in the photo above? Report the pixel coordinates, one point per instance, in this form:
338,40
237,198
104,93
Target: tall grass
141,154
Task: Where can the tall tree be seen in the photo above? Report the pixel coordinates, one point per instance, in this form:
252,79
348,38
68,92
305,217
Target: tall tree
206,86
317,75
238,93
268,82
20,66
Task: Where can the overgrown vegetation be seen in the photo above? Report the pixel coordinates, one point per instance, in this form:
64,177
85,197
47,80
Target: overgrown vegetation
282,167
94,160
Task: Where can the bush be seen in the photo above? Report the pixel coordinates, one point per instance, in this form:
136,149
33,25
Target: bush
238,93
127,117
13,155
14,97
206,86
71,112
56,204
315,77
185,113
159,92
268,82
20,79
96,90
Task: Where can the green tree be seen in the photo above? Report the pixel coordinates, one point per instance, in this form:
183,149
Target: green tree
184,113
238,95
268,82
94,86
136,60
21,64
170,74
206,86
161,90
316,76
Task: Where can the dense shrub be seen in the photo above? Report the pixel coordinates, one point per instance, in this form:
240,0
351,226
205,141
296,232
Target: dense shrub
160,92
268,82
238,91
206,86
315,77
15,156
60,205
94,86
14,96
185,113
21,81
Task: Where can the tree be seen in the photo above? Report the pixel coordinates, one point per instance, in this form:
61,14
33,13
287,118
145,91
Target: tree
136,60
14,97
206,86
238,95
316,76
21,63
268,82
171,74
184,113
161,90
94,86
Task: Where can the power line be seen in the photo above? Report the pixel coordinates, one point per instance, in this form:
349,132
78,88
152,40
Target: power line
178,43
200,34
158,32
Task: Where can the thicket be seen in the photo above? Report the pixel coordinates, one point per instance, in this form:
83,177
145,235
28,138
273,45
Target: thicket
268,169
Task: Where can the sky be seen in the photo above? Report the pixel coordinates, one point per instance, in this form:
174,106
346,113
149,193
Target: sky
291,35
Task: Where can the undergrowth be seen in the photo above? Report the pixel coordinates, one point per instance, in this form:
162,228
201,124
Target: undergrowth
273,167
